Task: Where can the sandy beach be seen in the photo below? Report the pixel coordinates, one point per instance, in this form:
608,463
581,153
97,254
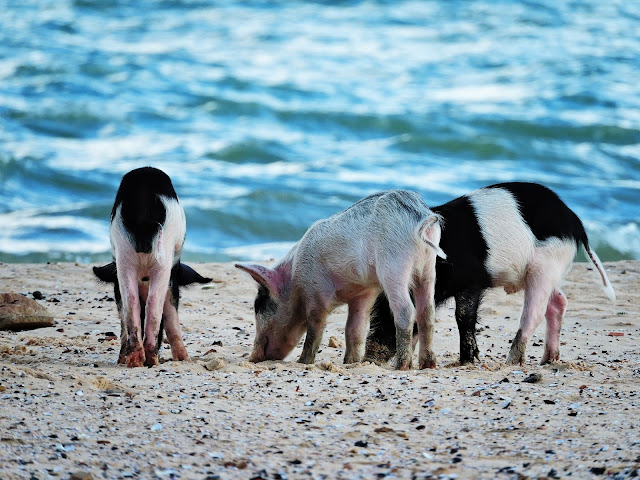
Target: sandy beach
68,411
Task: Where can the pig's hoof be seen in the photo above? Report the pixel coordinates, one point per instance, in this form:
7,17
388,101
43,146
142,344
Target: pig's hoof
550,356
122,356
516,357
427,364
468,360
306,359
151,360
181,357
403,365
135,359
428,360
352,359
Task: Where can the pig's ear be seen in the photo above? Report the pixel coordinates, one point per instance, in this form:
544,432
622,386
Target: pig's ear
263,275
108,273
430,231
187,275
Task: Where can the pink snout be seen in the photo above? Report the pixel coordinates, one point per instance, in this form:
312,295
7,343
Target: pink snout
265,349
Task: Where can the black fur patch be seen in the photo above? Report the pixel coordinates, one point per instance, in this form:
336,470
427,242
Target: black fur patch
545,213
185,275
466,249
107,273
142,210
264,303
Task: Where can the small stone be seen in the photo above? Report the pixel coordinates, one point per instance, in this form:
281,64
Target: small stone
383,430
18,312
81,476
37,295
533,378
156,427
215,364
362,443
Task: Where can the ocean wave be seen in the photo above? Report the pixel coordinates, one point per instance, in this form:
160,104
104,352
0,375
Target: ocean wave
269,116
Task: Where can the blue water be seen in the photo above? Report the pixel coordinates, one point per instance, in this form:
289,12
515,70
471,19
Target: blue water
270,115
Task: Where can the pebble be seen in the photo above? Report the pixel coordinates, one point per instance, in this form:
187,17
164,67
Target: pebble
81,476
533,378
18,312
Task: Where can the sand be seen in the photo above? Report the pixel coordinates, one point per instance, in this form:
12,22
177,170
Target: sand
67,410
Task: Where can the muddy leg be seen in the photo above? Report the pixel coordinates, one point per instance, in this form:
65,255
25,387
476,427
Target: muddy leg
467,304
172,326
404,315
316,322
131,351
158,291
536,297
358,327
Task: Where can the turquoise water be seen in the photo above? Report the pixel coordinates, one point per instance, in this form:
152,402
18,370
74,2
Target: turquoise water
270,115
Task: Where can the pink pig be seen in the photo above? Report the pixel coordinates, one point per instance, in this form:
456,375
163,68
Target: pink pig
385,242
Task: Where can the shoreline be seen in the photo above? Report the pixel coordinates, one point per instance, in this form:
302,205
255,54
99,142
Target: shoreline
68,408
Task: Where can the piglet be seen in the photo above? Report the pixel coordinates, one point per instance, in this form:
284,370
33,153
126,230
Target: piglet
517,236
385,242
147,233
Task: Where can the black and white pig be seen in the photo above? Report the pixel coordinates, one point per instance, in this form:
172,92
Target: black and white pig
147,232
518,236
385,242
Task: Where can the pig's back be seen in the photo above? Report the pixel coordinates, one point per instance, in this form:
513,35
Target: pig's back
348,243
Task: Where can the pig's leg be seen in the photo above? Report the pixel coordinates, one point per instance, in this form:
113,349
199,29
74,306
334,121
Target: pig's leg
536,296
133,352
358,326
172,324
554,315
158,286
396,271
316,322
123,325
404,314
425,316
467,304
544,273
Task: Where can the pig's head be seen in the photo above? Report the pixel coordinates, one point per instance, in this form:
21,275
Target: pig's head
279,324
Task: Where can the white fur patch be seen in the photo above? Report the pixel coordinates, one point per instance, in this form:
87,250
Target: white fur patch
509,239
170,239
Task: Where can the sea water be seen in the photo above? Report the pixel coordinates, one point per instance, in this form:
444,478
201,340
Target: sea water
271,115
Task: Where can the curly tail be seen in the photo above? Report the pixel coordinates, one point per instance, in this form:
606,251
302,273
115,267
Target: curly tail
429,231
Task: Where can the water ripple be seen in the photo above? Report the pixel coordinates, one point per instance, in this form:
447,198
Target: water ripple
269,116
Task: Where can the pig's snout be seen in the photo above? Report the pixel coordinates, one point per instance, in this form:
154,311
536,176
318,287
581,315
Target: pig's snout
259,353
265,350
